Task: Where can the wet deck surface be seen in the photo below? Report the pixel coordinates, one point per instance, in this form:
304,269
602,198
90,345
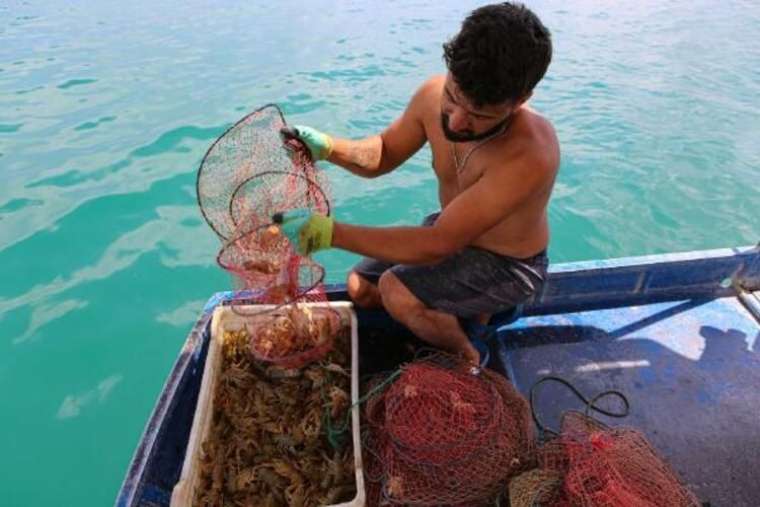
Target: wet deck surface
690,369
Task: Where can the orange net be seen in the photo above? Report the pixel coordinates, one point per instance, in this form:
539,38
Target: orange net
247,176
592,465
442,434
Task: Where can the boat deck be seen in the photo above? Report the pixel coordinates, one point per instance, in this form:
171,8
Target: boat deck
690,370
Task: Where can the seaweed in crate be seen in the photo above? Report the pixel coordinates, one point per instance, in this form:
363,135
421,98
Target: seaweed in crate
268,444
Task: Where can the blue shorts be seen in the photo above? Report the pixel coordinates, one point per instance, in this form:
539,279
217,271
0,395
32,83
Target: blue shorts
469,283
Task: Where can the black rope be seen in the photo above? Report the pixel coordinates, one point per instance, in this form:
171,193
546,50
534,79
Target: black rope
590,404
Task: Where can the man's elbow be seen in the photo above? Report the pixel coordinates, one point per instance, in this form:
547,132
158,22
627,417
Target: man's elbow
383,167
377,172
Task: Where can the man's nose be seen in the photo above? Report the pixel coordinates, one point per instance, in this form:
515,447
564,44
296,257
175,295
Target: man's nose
458,120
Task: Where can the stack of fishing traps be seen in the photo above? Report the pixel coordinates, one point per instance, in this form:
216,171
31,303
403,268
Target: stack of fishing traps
247,176
590,464
442,434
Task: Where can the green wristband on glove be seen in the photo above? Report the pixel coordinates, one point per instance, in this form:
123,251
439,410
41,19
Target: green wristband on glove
308,232
320,144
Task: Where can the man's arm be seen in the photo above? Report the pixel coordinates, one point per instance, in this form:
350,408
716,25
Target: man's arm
468,216
380,154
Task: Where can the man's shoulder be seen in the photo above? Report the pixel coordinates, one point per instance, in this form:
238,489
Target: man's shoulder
430,89
536,140
425,103
434,83
535,127
530,151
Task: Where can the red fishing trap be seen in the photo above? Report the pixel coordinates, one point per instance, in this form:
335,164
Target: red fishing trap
441,434
248,176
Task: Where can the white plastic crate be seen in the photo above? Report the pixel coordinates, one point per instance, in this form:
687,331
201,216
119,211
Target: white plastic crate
224,319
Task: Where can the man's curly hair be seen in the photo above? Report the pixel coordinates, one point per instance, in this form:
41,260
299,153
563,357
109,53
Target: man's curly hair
500,54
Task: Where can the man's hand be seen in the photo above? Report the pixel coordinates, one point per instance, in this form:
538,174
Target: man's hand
308,232
320,144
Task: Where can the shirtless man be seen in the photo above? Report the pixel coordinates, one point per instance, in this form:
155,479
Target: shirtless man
496,161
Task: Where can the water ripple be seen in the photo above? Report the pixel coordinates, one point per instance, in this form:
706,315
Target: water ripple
75,82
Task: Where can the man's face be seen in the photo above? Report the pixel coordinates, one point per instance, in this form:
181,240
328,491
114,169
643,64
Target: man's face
463,122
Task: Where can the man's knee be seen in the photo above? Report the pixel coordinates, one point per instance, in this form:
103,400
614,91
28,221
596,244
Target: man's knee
386,286
361,291
397,299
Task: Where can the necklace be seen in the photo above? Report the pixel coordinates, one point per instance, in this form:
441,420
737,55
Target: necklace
459,165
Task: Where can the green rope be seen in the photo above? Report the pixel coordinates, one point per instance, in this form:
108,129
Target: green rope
336,434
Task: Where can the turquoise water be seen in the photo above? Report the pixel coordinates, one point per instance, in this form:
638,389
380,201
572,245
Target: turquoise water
107,107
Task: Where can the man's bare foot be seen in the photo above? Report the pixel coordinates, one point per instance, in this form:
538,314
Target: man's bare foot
471,354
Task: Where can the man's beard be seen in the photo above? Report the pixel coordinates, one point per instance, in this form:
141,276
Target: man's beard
456,137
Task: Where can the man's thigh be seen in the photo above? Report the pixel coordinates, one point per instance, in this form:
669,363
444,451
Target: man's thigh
472,282
371,269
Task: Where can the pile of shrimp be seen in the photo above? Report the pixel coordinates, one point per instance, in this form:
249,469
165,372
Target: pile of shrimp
268,442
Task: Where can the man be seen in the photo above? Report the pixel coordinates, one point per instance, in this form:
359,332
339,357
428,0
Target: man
496,161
